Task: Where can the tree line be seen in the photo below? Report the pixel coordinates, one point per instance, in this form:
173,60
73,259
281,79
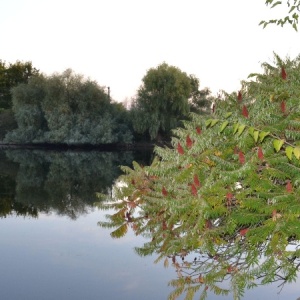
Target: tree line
68,108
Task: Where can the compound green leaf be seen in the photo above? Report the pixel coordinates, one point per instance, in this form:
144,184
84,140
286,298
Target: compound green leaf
289,151
208,122
228,115
235,127
295,26
241,129
251,131
224,125
262,135
278,144
292,8
214,122
297,152
275,4
255,135
119,232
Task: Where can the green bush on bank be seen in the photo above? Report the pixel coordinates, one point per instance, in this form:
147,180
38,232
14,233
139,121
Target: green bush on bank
66,108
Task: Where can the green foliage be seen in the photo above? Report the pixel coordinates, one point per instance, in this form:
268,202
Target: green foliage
123,130
293,7
7,122
61,182
200,100
227,192
10,76
66,108
164,99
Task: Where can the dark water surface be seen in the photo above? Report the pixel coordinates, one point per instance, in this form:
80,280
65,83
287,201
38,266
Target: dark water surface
51,246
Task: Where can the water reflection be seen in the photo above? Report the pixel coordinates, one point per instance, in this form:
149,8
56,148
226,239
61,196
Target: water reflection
216,261
55,257
33,181
45,252
49,256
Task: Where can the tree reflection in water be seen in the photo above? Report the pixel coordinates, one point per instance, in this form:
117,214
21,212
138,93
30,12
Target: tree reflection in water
63,182
208,255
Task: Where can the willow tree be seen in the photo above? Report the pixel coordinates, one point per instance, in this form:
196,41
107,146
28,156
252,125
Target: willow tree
27,107
66,108
76,110
228,190
163,100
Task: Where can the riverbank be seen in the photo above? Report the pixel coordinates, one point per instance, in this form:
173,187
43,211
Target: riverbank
84,147
8,123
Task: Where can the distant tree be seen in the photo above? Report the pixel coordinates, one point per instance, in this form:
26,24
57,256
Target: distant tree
10,76
28,112
200,100
64,108
163,100
123,130
76,110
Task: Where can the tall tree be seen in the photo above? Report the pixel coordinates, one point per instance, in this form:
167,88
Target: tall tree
163,100
11,75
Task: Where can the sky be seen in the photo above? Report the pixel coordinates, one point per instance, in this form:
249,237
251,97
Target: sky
115,42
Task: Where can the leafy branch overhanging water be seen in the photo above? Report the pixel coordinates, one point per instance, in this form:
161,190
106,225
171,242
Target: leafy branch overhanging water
226,194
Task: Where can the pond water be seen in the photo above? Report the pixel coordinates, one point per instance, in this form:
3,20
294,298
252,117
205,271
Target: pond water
51,245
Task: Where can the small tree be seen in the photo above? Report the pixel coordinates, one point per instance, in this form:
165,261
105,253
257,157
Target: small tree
227,190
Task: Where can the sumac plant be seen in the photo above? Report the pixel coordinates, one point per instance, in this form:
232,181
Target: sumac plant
223,204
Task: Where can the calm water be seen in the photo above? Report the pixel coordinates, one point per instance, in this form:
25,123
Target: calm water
51,246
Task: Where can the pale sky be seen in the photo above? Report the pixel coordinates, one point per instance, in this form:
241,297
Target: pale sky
115,42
